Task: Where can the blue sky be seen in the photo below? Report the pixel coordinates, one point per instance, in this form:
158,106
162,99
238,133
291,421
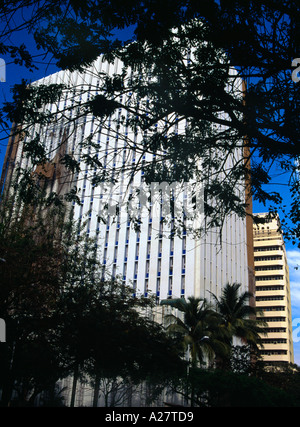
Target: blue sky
15,73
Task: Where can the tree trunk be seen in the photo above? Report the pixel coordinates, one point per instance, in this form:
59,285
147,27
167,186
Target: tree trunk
74,385
8,380
7,392
96,390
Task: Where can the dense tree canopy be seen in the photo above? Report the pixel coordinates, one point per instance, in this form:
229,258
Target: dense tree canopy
63,319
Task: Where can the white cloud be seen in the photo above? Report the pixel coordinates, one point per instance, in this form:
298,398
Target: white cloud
293,257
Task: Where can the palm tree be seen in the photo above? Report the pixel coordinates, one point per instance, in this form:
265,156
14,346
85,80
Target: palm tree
199,328
238,316
200,331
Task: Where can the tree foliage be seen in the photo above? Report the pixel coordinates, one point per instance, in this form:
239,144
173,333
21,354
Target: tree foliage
208,330
235,375
228,389
62,317
238,316
199,328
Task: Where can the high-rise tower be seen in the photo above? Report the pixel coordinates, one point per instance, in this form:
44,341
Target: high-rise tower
273,290
151,259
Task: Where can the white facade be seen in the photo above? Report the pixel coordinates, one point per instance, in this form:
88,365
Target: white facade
149,260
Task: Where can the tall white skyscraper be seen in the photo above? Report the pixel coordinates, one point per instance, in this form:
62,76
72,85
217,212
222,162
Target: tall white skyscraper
152,259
